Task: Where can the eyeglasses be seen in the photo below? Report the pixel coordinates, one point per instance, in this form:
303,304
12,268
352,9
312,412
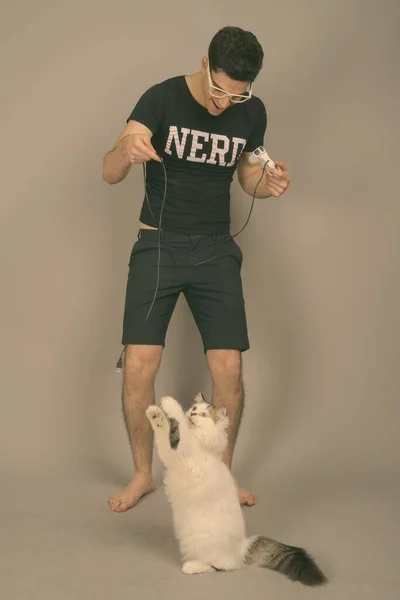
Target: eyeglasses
218,93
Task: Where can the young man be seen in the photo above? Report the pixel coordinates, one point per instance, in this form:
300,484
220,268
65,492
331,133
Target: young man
204,126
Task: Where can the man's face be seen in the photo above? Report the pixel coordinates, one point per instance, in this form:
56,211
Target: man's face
216,102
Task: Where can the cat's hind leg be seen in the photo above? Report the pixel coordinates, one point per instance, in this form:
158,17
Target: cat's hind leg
194,567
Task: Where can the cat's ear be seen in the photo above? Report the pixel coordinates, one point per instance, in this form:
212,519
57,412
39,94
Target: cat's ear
221,413
199,398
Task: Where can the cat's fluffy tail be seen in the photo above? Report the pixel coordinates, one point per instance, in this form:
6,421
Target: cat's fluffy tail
293,562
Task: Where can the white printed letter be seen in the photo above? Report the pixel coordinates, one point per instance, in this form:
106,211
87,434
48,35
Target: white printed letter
216,150
196,146
236,142
179,143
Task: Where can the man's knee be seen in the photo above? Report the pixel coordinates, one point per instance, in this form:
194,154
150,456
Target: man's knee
226,367
141,364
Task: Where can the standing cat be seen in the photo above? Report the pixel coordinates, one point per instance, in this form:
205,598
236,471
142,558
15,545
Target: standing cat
208,520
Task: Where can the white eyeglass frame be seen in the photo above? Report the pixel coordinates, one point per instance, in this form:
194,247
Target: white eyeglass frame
242,97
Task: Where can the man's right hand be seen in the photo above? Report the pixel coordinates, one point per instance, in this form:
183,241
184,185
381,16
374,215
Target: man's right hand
132,147
138,148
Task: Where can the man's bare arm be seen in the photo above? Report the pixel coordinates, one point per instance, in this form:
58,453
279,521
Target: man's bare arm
132,147
273,183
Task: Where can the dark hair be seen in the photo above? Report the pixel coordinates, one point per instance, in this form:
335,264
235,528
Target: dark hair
237,53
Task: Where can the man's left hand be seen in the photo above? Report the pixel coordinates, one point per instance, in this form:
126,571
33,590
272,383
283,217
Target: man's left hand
277,182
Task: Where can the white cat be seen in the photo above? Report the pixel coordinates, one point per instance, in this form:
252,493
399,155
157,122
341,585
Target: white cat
208,519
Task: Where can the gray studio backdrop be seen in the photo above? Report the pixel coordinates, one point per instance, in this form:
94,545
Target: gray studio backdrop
320,264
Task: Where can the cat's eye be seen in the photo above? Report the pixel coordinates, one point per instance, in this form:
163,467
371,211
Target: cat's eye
203,415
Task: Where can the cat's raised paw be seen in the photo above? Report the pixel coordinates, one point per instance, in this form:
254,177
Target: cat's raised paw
155,416
171,407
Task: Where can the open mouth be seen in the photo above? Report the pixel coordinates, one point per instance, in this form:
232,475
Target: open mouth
216,105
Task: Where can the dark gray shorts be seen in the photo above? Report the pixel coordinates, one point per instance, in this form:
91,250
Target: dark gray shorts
206,269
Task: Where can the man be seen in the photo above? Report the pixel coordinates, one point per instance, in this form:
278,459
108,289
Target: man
203,126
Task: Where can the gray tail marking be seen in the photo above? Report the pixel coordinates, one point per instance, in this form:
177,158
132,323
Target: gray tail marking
293,562
174,436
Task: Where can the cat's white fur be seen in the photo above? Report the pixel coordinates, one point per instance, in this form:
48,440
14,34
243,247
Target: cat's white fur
207,516
208,520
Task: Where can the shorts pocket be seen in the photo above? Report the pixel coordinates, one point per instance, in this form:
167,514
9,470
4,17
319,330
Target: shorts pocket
236,251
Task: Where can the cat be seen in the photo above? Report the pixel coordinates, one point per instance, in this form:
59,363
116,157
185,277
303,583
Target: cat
207,516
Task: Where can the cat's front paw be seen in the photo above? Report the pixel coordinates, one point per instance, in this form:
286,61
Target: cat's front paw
171,407
156,416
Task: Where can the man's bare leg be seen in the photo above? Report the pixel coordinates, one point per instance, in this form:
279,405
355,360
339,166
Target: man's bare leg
226,372
141,366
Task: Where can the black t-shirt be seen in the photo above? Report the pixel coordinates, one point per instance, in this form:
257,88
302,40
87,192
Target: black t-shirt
200,153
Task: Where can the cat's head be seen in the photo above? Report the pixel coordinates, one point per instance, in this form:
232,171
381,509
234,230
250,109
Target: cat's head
207,423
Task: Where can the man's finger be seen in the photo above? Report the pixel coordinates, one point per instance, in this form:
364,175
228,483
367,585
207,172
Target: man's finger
273,186
281,165
275,193
275,172
150,151
271,179
274,190
146,152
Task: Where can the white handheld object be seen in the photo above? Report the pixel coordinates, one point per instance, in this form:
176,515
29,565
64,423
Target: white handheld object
260,155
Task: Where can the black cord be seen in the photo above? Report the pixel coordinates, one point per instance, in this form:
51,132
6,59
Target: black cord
119,363
252,202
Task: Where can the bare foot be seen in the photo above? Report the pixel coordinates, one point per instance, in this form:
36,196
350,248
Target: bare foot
246,498
130,496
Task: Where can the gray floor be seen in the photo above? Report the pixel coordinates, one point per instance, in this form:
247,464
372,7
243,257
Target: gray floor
319,445
60,541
